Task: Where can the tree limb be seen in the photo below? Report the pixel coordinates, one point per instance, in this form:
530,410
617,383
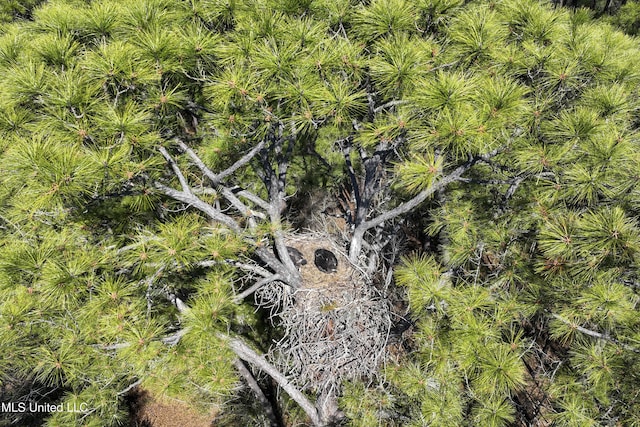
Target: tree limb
260,283
251,197
255,387
358,234
176,170
594,334
247,267
247,354
217,178
129,387
192,200
389,105
287,276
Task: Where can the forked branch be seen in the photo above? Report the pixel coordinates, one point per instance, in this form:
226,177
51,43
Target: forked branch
363,227
247,354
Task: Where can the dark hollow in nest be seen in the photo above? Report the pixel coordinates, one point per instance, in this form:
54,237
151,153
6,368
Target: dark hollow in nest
296,256
326,261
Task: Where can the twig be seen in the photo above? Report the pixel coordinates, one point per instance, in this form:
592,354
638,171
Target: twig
594,334
176,170
260,283
255,387
217,178
246,353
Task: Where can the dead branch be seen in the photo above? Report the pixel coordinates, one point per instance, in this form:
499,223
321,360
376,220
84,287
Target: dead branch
192,200
260,283
247,267
358,234
257,391
247,354
176,170
217,178
594,334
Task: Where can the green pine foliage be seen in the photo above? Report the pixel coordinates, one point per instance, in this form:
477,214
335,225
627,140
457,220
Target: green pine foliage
628,17
524,311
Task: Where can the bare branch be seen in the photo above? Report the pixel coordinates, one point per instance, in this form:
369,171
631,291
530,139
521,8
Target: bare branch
247,267
192,200
287,274
255,387
176,170
423,195
246,353
129,388
174,339
389,105
110,347
594,334
358,234
217,178
238,299
258,201
362,227
513,187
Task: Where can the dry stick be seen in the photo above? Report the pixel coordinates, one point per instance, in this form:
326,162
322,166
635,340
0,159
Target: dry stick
238,299
251,197
358,234
217,178
247,267
129,387
255,387
183,181
192,200
286,268
594,334
276,198
247,354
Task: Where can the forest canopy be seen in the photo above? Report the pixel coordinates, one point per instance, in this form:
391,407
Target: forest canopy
322,212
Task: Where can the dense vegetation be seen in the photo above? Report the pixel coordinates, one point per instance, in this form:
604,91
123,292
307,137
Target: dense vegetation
157,157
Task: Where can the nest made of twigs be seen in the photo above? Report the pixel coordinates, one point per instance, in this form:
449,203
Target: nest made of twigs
336,325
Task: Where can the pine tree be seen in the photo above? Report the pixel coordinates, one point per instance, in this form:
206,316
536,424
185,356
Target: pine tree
152,155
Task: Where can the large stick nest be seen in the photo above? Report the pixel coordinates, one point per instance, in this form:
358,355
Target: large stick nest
335,326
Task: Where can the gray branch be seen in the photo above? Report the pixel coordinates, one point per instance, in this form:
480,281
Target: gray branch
183,181
192,200
247,354
594,334
260,283
247,267
217,178
255,387
358,234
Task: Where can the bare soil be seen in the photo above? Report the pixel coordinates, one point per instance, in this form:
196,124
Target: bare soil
147,411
